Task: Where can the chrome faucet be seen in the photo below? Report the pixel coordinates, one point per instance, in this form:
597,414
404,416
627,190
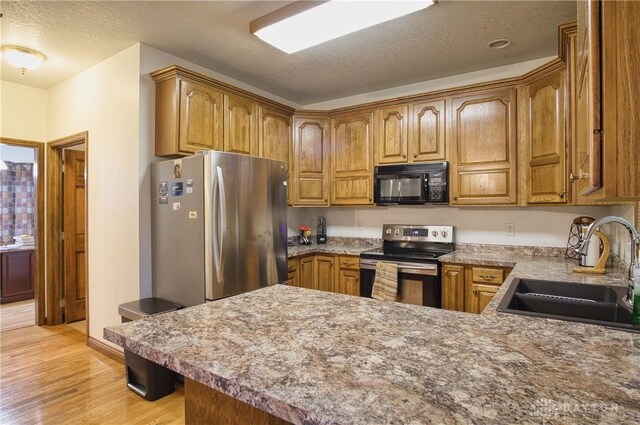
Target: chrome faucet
634,267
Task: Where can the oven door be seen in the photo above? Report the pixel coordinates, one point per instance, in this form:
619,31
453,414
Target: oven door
418,283
400,188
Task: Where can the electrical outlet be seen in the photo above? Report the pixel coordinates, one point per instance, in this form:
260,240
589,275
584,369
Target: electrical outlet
510,229
359,224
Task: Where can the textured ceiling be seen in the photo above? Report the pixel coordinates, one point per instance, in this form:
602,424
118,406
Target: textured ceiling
446,39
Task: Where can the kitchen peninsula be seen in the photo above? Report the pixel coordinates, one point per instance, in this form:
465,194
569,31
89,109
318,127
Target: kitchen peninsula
314,357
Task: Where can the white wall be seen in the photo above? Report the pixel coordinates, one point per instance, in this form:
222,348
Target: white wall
23,112
492,74
548,226
17,153
104,101
619,237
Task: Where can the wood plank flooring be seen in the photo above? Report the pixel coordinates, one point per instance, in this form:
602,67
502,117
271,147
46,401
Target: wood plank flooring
49,376
17,315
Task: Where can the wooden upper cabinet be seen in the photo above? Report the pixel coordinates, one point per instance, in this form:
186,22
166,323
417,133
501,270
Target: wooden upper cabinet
274,134
394,131
351,159
310,164
240,121
545,140
188,117
483,148
427,132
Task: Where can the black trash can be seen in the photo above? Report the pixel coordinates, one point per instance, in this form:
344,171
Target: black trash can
144,377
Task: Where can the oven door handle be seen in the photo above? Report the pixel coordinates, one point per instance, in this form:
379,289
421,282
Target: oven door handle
423,269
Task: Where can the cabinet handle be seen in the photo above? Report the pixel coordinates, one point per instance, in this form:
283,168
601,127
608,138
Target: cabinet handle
573,177
290,266
404,155
370,199
415,155
326,200
348,264
455,198
488,276
561,194
475,291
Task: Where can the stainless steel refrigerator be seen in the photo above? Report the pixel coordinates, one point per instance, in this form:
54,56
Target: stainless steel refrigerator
219,226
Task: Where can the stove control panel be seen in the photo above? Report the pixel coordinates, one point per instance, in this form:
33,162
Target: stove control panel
418,233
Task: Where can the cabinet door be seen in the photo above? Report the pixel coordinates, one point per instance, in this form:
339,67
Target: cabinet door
325,273
483,148
310,165
348,282
240,124
545,141
427,132
453,287
589,125
307,273
274,134
17,276
480,296
352,162
293,278
201,120
393,130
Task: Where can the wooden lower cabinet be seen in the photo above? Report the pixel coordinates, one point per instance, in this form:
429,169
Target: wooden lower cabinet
470,288
293,278
453,287
17,276
326,272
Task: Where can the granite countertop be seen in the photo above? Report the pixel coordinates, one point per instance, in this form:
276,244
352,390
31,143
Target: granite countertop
335,245
321,358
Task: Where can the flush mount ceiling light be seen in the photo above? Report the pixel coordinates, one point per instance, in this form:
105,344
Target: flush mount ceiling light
23,58
303,24
500,43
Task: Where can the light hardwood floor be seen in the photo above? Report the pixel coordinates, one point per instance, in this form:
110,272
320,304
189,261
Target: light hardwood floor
17,315
49,376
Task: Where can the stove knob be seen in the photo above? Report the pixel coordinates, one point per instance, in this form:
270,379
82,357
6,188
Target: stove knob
388,231
434,233
444,233
397,232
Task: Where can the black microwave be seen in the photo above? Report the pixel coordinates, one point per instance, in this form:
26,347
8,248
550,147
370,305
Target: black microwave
425,183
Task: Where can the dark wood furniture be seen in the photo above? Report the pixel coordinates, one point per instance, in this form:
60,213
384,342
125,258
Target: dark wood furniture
17,271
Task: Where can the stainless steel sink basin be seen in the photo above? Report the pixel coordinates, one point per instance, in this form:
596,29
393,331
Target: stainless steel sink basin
577,302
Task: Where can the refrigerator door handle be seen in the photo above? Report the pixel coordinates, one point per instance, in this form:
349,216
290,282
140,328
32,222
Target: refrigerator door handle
223,222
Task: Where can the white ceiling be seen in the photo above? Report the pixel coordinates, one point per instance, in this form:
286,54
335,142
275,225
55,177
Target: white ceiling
446,39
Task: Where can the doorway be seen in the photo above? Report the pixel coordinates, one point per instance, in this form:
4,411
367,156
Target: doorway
67,277
22,291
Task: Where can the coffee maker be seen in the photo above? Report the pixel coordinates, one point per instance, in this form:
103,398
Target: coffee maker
321,233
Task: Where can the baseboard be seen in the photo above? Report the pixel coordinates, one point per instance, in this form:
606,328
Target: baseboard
105,349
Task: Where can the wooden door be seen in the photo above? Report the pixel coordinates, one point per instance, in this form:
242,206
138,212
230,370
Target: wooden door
325,273
588,112
74,269
310,165
480,296
483,148
240,123
453,287
307,273
293,278
545,141
351,159
427,132
201,120
393,130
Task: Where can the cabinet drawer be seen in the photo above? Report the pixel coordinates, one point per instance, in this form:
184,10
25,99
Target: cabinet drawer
292,265
349,262
487,275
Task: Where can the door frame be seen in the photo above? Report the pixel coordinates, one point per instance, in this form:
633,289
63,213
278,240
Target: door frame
39,285
55,159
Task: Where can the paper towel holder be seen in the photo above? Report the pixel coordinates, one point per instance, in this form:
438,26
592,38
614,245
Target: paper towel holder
600,267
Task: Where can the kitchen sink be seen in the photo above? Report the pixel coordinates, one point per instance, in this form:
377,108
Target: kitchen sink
577,302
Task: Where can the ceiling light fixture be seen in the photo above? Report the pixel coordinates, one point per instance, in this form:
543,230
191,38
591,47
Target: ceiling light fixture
500,43
303,24
23,58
